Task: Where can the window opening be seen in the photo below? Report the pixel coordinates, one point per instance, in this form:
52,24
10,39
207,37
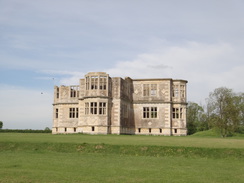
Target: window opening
139,130
150,112
175,130
102,108
73,112
150,130
160,130
93,108
93,128
103,82
87,108
149,90
94,82
182,91
57,93
65,129
56,113
87,83
175,91
74,91
146,90
74,129
177,113
153,89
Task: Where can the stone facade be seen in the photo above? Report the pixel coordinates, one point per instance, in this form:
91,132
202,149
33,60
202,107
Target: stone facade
104,105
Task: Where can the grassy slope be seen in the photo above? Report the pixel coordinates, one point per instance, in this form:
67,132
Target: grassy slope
112,158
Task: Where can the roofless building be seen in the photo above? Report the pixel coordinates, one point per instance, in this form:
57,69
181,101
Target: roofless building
101,104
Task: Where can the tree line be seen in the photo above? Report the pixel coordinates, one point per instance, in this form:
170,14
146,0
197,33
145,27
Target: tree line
224,112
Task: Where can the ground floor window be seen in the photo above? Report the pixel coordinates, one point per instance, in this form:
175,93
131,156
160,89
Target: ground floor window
73,112
150,112
177,113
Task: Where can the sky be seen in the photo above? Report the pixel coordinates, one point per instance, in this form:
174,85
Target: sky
55,42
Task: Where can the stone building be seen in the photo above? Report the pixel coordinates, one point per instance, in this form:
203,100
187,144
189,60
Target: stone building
101,104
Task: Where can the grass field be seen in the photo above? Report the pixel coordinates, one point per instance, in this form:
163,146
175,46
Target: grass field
111,158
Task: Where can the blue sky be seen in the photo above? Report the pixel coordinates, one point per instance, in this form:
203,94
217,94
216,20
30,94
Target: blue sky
52,42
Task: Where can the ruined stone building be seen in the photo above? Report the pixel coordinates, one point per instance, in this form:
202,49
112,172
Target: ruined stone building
101,104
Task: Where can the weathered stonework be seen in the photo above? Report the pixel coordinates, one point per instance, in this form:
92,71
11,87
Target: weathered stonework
104,105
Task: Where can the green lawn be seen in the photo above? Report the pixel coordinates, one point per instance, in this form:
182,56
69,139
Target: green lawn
38,158
188,141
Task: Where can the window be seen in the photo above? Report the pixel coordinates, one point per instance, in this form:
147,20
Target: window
177,113
103,82
175,91
149,90
57,93
150,112
102,108
149,130
175,130
182,91
87,108
74,129
153,89
87,83
96,108
139,130
74,91
73,112
146,90
56,113
154,112
160,130
65,129
145,112
94,82
93,128
93,108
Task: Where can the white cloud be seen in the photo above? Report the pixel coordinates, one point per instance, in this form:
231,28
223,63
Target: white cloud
205,66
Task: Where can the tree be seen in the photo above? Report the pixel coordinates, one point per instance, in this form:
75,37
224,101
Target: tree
195,118
224,111
1,124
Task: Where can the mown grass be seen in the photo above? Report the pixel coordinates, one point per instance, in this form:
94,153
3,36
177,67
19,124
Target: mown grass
188,141
111,158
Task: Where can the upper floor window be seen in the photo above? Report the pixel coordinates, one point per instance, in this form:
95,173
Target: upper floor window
150,112
87,83
103,82
74,91
175,90
149,90
57,94
94,82
182,91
